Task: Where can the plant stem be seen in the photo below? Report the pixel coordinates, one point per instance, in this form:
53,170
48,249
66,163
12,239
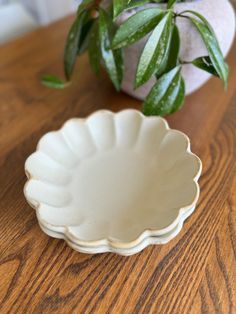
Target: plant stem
182,62
180,15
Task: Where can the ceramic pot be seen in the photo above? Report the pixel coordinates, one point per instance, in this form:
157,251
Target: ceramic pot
220,15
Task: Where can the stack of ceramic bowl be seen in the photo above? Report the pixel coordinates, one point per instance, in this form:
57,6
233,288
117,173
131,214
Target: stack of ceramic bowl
114,182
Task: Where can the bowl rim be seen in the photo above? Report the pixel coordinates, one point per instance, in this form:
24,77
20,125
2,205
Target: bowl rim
122,251
112,242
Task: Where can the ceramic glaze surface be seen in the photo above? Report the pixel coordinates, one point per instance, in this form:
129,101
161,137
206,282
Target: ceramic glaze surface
112,180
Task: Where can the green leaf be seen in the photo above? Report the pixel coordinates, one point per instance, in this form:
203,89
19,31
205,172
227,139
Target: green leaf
167,94
113,60
171,3
72,43
204,63
84,5
136,27
180,97
136,3
162,68
85,35
128,6
171,58
212,45
94,48
53,82
201,17
154,50
118,7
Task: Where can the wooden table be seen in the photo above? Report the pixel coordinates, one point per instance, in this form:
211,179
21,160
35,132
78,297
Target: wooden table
196,272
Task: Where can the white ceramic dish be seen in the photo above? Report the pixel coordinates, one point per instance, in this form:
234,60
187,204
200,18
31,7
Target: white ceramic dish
113,182
162,239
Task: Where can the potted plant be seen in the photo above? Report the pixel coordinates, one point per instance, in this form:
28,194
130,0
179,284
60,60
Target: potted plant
153,50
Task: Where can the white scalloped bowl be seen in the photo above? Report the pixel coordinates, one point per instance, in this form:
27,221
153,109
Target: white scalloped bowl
112,181
161,239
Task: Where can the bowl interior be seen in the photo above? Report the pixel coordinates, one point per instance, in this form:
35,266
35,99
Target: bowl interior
118,186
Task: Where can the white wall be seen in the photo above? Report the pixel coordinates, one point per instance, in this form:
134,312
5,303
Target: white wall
47,11
14,20
20,16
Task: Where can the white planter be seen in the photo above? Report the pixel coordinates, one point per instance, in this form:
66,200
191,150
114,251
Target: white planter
221,16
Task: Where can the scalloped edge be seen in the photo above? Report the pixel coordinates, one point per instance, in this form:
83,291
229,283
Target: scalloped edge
154,240
110,244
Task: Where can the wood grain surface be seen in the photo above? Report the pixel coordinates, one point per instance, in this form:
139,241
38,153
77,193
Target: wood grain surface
194,273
